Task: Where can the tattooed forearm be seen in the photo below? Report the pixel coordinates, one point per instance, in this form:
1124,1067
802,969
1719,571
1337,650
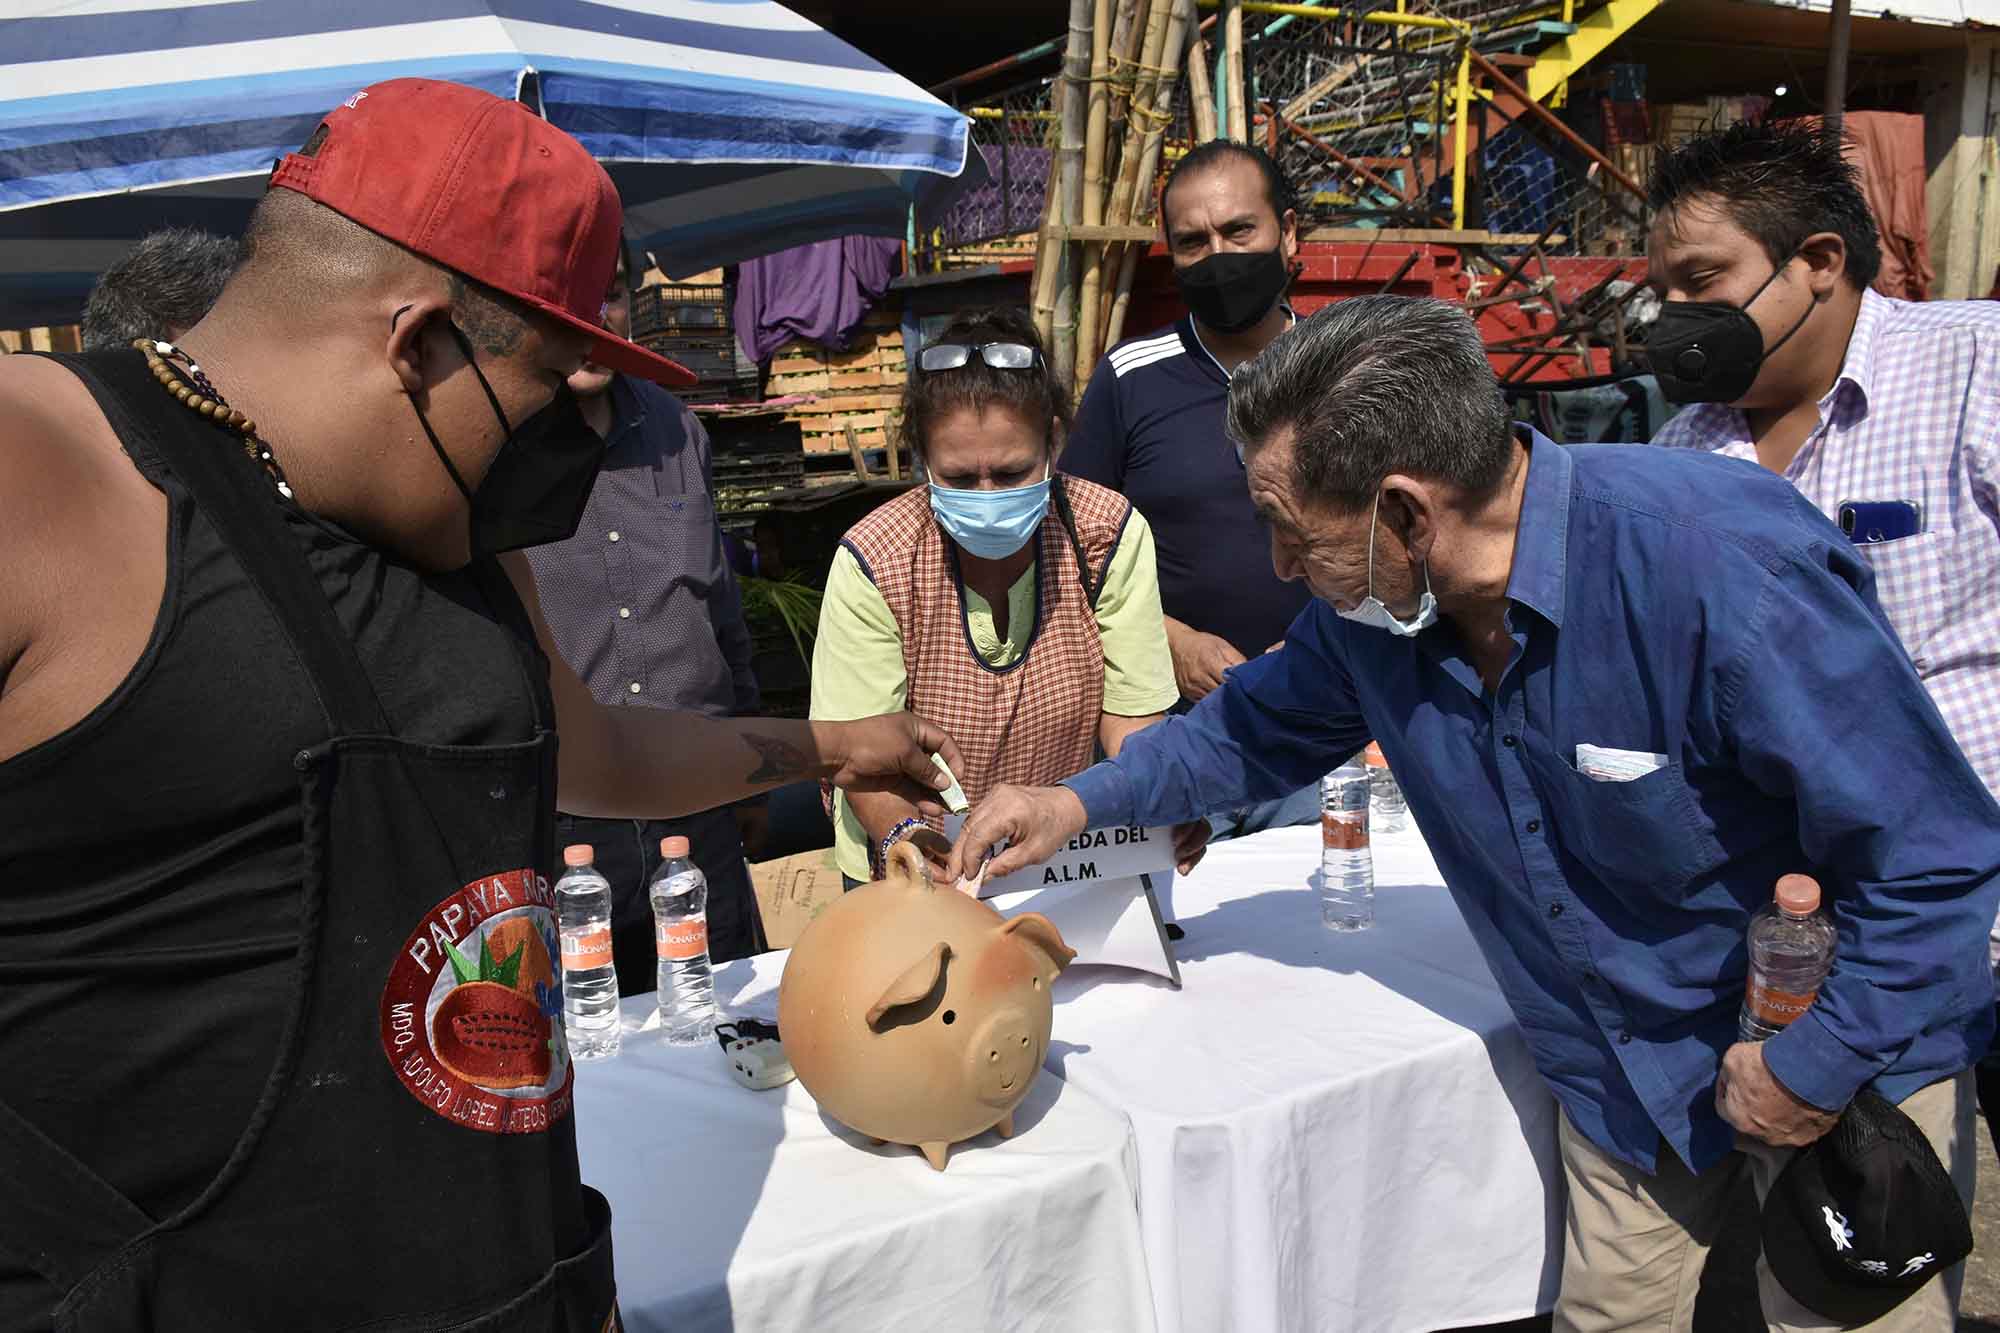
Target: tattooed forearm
782,760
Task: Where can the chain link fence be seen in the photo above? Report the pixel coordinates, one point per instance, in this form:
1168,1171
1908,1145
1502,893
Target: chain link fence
1352,113
1533,182
1361,118
1015,131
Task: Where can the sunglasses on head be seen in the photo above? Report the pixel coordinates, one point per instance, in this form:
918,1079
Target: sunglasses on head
1000,356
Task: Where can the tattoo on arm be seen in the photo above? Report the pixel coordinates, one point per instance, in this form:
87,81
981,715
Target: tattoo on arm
782,760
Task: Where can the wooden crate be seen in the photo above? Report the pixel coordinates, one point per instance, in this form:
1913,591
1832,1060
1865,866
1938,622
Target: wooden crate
1675,121
67,338
860,387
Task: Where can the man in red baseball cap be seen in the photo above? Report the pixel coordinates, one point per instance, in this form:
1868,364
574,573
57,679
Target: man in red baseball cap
279,972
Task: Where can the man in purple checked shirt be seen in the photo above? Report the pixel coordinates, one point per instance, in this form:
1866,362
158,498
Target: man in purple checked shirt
645,608
1884,413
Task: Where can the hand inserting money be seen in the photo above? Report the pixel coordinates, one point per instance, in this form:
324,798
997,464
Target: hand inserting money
934,844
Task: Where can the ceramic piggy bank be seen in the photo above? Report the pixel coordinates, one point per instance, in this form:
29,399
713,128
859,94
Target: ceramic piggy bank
917,1014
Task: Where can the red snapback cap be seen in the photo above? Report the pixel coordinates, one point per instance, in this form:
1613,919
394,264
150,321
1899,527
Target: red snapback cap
485,187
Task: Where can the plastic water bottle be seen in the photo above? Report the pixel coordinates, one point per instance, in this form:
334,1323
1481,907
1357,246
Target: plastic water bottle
1386,812
680,930
590,983
1346,865
1791,949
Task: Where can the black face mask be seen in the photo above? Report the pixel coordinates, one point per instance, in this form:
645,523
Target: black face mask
1711,351
1233,289
535,491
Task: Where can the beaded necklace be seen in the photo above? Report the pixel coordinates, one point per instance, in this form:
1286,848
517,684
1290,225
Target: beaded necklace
201,396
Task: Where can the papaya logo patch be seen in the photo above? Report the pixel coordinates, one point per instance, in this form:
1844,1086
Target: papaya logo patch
472,1012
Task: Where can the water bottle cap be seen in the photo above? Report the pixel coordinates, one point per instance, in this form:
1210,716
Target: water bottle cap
1375,758
1798,894
578,854
672,847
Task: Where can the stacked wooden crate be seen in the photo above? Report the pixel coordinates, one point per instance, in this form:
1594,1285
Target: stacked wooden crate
63,339
689,322
858,389
1675,121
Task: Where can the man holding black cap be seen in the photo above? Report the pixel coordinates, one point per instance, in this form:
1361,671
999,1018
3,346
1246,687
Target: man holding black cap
1884,413
1614,771
278,761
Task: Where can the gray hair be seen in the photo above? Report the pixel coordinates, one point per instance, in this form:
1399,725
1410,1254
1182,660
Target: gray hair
1374,385
167,282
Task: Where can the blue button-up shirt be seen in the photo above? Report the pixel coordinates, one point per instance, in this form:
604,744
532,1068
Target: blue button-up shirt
1693,608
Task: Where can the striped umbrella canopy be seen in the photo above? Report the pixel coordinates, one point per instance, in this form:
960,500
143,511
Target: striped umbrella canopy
733,127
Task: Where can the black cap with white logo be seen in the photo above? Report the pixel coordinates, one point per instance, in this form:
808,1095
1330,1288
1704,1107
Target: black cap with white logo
1859,1220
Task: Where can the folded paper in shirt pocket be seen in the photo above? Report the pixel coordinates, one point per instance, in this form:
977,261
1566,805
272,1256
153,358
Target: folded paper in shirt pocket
1602,764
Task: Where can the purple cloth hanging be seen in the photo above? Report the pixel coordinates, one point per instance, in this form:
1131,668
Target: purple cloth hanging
819,291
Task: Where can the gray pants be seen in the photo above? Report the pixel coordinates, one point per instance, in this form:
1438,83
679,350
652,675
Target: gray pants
1635,1244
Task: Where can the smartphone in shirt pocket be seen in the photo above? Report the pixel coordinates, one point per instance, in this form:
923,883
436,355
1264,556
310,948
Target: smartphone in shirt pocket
1867,522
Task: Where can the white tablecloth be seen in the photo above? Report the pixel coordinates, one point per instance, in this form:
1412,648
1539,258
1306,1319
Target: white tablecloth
1335,1131
745,1211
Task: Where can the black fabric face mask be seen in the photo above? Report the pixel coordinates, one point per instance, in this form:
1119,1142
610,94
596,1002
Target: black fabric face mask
1711,351
1233,289
535,491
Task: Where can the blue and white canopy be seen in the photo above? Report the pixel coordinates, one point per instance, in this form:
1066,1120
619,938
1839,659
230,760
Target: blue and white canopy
732,127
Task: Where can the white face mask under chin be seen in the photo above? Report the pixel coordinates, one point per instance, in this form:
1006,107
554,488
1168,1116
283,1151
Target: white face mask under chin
1372,613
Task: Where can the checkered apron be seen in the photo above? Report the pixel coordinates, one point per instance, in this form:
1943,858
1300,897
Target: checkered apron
1033,722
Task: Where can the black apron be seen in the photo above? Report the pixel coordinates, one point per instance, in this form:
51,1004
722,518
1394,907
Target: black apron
411,1164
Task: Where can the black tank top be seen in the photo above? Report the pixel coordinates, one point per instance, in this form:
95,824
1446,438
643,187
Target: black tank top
150,855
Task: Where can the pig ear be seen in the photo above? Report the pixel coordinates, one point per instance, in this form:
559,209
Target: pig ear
917,981
1036,929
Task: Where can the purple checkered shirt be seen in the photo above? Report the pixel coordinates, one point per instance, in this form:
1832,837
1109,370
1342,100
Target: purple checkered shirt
1914,415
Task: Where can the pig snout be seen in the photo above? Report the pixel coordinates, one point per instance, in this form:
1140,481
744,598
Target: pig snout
1002,1057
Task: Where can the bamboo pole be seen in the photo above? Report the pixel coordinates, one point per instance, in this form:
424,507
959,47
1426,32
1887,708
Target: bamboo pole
1232,49
1069,157
1125,30
1144,94
1127,36
1201,94
1092,252
1048,247
1149,154
1151,44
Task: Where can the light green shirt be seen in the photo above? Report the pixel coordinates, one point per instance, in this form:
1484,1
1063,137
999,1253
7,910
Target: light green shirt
857,668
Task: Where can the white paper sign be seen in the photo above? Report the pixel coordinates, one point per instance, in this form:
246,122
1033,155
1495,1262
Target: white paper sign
1113,922
1090,858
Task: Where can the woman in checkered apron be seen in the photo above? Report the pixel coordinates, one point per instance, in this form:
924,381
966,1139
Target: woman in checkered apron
1017,608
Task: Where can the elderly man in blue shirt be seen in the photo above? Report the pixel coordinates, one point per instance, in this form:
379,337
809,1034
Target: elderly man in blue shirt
1485,603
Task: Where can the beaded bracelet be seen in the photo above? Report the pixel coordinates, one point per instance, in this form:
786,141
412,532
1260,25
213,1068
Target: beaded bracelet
895,835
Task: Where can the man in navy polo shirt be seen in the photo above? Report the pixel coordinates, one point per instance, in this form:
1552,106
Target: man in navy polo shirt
1151,426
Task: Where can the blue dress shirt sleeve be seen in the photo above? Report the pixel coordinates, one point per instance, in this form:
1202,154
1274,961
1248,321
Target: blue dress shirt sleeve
1275,724
1825,710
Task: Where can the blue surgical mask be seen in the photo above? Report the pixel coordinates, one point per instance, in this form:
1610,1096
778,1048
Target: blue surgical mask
991,524
1373,613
